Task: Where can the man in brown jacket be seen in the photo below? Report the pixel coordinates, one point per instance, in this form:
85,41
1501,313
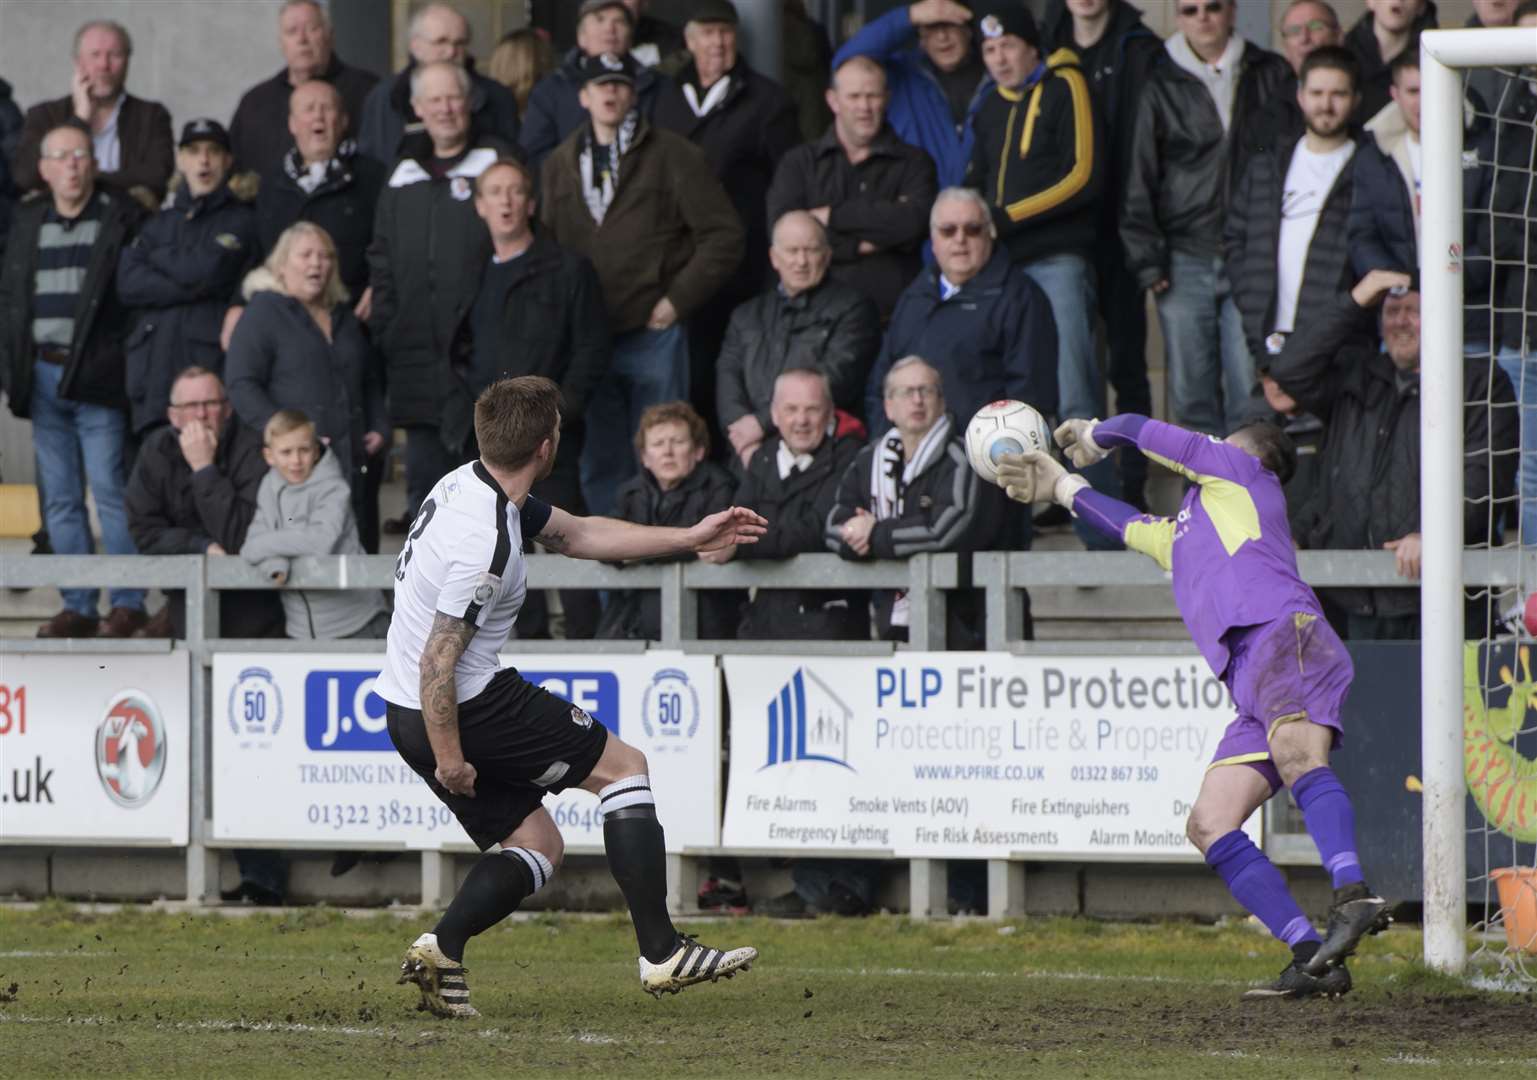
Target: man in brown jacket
131,137
643,205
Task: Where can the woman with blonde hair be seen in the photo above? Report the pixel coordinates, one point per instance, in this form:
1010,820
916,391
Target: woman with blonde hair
298,346
520,60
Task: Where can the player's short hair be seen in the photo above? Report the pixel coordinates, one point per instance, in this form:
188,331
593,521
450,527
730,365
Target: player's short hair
673,412
1272,446
513,417
1333,58
285,422
1408,60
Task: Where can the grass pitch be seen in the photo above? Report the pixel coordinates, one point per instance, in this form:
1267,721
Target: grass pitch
312,994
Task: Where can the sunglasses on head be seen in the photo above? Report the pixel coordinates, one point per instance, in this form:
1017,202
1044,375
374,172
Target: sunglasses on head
1211,7
972,229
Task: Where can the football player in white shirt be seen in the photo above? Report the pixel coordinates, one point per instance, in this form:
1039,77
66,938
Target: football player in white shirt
490,744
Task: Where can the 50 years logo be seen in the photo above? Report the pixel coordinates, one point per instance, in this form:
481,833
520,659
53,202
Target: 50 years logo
255,704
670,707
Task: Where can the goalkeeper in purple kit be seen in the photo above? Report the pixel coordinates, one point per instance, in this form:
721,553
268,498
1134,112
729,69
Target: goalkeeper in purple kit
1265,636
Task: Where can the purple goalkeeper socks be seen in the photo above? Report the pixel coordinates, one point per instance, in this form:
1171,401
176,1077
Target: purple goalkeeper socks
1259,887
1331,821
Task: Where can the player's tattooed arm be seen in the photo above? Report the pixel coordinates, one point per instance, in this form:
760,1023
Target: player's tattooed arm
555,539
446,642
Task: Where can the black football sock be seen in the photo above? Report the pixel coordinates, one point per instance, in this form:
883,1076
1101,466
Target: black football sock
1304,951
492,890
632,838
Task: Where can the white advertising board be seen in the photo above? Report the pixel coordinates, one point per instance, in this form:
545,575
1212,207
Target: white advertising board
301,753
971,755
94,748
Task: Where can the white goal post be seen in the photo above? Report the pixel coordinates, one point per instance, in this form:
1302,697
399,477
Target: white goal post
1444,56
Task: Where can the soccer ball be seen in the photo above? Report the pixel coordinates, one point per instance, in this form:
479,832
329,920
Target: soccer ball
1004,427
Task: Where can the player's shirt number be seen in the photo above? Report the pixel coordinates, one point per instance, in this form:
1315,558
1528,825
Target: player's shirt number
423,517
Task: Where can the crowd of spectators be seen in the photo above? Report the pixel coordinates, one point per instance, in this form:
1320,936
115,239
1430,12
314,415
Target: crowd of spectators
787,295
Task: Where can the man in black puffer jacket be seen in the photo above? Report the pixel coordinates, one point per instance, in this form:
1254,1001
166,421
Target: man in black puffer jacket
675,486
1198,100
793,480
182,271
1285,239
807,321
1370,400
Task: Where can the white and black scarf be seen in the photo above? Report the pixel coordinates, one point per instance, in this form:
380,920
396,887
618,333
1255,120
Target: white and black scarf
599,190
311,179
889,480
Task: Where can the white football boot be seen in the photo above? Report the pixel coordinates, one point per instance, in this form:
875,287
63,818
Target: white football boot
441,980
693,963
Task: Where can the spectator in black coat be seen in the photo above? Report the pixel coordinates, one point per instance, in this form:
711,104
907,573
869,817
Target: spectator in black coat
554,109
1285,237
539,311
1389,28
322,178
1369,397
425,260
912,491
438,34
675,486
261,132
10,135
868,188
744,122
1117,51
976,317
807,322
792,480
181,272
298,346
193,492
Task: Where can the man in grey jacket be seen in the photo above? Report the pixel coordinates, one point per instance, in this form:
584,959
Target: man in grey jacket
304,507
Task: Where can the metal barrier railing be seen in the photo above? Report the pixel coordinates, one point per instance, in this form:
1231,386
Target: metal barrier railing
925,577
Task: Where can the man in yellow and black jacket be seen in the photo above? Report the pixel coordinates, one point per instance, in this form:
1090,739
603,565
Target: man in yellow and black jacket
1039,162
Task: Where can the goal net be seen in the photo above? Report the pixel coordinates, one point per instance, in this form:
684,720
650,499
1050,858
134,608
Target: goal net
1478,259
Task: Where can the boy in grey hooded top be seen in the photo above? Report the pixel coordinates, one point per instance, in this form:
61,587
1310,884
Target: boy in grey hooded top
304,507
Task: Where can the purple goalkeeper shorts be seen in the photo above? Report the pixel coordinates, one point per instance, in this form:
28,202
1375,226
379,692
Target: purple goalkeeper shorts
1291,668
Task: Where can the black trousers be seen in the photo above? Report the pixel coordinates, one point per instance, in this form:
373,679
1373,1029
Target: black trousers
1124,308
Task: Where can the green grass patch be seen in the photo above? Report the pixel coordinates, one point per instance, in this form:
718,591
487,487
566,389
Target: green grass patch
311,993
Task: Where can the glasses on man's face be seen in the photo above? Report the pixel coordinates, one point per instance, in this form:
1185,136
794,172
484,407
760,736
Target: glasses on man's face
199,406
79,153
1211,7
973,229
914,393
1312,26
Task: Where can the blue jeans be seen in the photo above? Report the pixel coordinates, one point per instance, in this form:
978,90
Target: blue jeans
1068,282
1211,374
1522,371
649,367
77,443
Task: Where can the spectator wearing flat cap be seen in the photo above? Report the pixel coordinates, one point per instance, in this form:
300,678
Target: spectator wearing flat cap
745,123
603,27
182,270
260,133
438,34
641,204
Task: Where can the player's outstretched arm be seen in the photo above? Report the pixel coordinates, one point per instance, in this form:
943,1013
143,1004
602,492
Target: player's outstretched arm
1034,477
613,540
446,642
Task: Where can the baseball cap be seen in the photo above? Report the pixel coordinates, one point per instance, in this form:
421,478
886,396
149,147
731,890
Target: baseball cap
590,6
713,11
608,67
204,130
1008,17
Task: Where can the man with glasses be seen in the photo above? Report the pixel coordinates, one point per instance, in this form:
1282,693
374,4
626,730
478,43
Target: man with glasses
131,137
61,357
976,317
912,491
870,190
193,492
936,87
1200,97
438,34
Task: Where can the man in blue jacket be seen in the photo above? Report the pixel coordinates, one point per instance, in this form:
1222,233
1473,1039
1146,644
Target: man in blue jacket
934,87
